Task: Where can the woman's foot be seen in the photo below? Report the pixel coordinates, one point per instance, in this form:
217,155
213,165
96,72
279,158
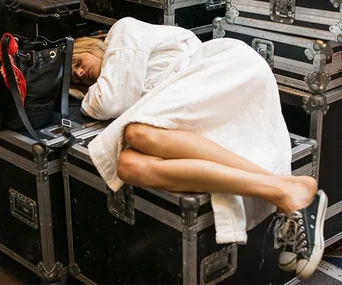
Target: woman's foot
296,192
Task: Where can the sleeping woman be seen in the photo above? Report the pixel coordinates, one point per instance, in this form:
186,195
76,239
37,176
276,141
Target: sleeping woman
199,117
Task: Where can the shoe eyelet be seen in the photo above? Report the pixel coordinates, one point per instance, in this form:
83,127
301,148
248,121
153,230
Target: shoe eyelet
302,228
303,235
312,226
313,217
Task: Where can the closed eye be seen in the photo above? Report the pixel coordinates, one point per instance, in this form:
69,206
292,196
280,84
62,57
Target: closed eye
74,77
78,63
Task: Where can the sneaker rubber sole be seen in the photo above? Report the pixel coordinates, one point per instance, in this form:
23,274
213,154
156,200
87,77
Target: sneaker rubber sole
305,268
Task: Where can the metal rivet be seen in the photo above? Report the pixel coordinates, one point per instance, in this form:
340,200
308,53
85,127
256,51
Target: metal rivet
52,54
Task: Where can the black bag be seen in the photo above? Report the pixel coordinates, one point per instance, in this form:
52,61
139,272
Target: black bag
46,67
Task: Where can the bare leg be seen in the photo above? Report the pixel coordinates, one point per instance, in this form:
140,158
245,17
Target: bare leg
165,144
180,161
186,175
175,144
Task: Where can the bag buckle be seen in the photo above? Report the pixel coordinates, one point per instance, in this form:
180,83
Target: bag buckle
66,123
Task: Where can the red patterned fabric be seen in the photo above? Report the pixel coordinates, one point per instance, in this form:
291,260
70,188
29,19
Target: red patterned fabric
21,83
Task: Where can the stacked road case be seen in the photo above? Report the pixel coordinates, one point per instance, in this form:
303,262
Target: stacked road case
52,19
32,209
195,15
146,236
300,40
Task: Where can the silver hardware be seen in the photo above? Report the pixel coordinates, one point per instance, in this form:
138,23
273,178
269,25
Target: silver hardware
50,275
231,13
74,270
52,54
282,11
312,226
313,217
40,153
315,102
214,4
169,10
336,30
57,130
23,208
219,265
336,3
84,11
189,234
218,31
318,47
189,205
317,82
121,203
66,123
266,49
80,141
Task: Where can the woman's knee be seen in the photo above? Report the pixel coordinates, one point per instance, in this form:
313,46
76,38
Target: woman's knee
127,165
137,134
133,167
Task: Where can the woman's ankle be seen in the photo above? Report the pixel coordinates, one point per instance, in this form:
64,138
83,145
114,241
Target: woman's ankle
295,193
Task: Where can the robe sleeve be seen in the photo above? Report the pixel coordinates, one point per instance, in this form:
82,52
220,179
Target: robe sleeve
119,85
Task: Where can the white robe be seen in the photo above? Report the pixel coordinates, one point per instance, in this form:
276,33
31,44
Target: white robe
222,89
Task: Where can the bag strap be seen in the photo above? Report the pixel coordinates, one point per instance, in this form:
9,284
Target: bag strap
66,123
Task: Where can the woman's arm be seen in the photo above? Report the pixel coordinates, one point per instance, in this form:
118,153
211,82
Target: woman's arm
119,86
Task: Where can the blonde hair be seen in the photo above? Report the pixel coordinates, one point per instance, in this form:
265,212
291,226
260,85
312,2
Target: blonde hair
87,44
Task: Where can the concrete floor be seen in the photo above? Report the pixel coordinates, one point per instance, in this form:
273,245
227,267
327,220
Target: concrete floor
13,273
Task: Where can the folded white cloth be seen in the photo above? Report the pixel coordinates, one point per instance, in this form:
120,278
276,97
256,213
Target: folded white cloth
225,91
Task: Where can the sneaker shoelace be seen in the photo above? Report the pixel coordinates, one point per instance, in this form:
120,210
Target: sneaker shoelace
290,232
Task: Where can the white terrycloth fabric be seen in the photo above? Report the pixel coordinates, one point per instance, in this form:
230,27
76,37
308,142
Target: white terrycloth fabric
221,89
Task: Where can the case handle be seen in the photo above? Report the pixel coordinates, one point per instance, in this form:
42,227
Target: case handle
23,208
282,11
219,265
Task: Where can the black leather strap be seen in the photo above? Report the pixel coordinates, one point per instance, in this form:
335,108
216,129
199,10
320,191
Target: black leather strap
66,79
69,138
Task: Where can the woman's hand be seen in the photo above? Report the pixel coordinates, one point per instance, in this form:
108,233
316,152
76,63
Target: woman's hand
78,91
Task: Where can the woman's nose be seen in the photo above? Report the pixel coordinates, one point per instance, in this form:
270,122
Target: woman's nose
80,72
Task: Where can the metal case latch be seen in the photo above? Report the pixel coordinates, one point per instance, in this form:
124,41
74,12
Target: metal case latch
336,29
265,49
282,11
219,265
214,4
121,204
24,208
336,3
317,82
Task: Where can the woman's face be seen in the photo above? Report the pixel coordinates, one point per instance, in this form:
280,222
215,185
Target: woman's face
87,68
